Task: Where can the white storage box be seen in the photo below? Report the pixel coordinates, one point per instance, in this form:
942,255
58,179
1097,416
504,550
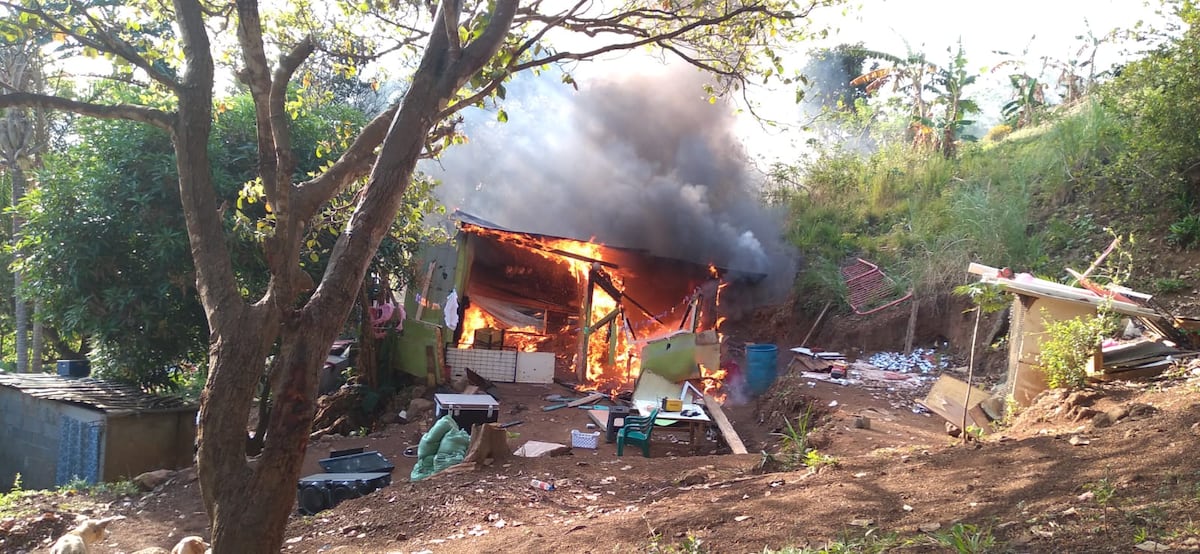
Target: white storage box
579,439
467,409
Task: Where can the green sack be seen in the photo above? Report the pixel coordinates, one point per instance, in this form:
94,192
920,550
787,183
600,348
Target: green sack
423,469
432,440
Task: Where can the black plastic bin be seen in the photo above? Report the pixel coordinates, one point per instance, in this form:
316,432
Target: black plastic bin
366,462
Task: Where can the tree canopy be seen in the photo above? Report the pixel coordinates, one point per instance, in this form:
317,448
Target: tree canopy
452,54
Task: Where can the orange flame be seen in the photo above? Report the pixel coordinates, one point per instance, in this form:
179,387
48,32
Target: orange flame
612,354
475,319
713,381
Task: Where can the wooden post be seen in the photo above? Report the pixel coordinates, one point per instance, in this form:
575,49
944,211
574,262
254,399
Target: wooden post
815,324
909,335
425,291
585,331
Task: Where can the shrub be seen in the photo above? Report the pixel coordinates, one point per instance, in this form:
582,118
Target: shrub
1185,233
1070,345
998,133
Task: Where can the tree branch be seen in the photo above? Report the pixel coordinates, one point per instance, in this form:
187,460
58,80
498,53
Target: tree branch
450,14
106,43
354,163
477,54
697,23
287,227
130,112
120,48
257,76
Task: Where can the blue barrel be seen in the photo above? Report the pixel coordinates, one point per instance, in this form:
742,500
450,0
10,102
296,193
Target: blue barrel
761,360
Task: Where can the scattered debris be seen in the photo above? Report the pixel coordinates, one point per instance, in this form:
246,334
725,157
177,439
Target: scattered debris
921,360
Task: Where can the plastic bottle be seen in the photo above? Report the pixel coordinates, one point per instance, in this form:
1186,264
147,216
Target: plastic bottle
541,485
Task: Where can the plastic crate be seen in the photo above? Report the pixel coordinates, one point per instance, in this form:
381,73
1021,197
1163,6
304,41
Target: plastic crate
580,439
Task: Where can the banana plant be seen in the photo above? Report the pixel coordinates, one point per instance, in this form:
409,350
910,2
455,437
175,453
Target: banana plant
911,77
949,83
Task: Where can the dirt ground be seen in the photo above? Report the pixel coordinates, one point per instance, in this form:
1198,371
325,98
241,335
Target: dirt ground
900,483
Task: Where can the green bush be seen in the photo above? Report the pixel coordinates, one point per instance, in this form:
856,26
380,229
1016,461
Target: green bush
1069,346
1185,232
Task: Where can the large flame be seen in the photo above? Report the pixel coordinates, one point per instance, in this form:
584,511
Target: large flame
526,339
612,362
713,382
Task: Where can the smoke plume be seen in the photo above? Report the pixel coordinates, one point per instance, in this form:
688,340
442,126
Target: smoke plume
642,162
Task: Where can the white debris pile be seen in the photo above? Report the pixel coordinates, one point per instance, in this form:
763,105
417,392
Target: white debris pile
921,360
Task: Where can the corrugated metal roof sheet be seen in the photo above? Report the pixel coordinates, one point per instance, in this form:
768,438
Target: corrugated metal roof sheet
105,396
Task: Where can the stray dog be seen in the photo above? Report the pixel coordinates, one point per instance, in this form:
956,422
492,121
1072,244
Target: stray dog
191,545
89,531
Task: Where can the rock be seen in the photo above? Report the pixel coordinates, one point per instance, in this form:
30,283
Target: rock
862,522
862,422
952,429
693,477
1151,546
186,475
152,479
1085,413
1117,414
418,407
1138,409
1078,440
152,550
929,527
1101,420
1196,429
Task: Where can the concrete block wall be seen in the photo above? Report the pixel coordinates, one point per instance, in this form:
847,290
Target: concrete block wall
29,433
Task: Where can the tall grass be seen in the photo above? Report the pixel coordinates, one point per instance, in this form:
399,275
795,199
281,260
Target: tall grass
924,218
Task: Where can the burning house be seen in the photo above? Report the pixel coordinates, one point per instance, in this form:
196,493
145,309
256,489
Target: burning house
518,306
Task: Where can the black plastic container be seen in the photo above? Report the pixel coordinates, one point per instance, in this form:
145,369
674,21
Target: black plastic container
370,461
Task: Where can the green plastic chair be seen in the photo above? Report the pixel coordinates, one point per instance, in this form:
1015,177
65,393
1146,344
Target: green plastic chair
637,430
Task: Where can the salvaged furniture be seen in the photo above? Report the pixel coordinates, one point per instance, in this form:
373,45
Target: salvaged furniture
636,431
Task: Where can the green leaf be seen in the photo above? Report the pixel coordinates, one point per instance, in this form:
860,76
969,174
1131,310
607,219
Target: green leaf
502,116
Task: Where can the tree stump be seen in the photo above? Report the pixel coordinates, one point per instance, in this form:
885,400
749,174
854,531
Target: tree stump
489,444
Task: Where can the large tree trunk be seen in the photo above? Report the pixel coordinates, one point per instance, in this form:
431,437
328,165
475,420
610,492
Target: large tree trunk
20,306
38,342
249,502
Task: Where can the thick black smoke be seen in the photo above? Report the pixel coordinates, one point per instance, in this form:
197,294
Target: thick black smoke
644,162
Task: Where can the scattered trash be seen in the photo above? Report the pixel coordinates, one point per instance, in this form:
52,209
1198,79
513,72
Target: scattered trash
908,508
1086,496
1151,546
833,403
541,485
740,519
1077,440
862,522
921,360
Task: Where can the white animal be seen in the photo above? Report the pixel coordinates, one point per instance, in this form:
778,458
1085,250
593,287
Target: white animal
89,531
191,545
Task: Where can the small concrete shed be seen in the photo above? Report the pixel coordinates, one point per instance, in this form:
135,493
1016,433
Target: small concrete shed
54,430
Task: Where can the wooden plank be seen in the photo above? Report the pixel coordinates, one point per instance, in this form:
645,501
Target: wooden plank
600,418
471,389
594,397
731,436
946,400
